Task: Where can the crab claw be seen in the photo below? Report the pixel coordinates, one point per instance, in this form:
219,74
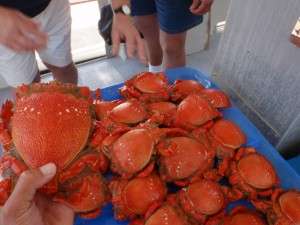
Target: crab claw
84,195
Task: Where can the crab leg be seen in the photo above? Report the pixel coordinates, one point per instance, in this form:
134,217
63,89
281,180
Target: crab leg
147,171
5,116
84,195
92,161
8,163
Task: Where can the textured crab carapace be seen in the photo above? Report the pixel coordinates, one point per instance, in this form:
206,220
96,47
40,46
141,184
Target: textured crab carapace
53,123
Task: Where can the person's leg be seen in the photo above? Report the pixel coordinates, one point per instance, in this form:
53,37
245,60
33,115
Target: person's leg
148,26
175,19
173,46
37,78
66,74
144,13
56,21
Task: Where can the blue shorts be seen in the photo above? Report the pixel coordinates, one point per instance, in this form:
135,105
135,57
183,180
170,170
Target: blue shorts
174,16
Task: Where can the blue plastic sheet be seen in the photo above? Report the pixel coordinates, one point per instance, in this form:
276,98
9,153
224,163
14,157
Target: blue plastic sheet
288,176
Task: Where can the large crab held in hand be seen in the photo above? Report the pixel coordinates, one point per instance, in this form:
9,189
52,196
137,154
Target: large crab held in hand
54,123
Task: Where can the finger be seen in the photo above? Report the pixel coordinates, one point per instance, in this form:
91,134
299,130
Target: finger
14,45
203,8
130,45
28,183
24,43
195,4
141,50
116,39
31,30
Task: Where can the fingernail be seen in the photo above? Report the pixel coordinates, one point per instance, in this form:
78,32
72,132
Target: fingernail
48,169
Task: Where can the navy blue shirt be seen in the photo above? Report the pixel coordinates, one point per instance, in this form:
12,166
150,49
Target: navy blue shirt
28,7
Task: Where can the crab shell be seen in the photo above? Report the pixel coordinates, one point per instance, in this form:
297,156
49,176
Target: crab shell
103,108
136,197
50,127
132,152
217,98
226,137
129,112
182,88
243,216
187,158
286,209
194,111
202,199
168,214
146,86
252,173
165,109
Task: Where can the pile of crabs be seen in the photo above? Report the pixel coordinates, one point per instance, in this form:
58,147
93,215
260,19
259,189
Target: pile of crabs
172,157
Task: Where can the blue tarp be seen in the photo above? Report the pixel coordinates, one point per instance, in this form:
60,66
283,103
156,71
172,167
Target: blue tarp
288,176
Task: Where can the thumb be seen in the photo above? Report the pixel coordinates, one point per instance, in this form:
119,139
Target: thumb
30,181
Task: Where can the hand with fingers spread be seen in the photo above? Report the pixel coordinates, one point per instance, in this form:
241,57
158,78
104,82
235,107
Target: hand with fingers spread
19,32
27,207
124,29
200,7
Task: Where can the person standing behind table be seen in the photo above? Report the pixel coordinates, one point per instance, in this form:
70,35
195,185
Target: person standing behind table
164,24
35,25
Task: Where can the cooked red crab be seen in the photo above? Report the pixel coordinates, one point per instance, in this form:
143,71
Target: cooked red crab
167,214
146,86
282,209
182,88
202,201
165,109
183,158
243,216
286,209
216,97
226,137
194,111
103,108
131,152
129,112
251,174
53,123
137,197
